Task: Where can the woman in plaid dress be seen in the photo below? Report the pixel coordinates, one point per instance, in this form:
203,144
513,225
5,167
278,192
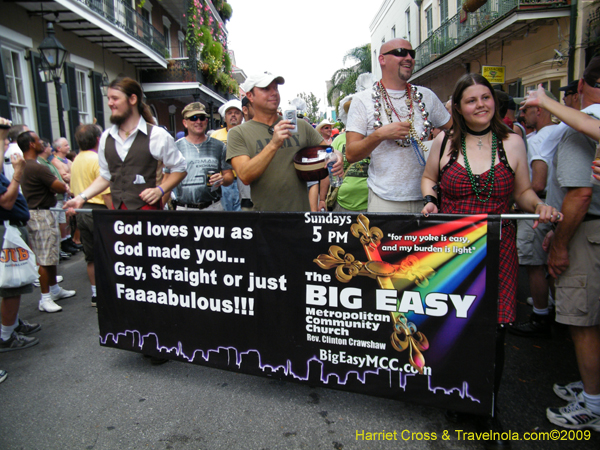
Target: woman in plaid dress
481,168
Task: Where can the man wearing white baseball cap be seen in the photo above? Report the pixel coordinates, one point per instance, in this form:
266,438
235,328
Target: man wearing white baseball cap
261,151
236,192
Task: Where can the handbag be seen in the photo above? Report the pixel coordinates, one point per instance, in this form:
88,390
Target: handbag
17,262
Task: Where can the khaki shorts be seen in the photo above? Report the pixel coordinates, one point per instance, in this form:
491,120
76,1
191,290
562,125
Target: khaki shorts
378,204
529,243
578,288
44,236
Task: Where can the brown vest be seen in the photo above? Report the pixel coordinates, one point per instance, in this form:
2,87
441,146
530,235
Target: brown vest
139,161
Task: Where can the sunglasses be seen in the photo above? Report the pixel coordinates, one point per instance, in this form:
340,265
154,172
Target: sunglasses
402,52
195,117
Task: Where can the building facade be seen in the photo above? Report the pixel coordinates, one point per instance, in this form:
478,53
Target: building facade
532,41
103,37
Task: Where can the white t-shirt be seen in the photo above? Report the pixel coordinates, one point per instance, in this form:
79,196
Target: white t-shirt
9,170
162,148
394,173
535,145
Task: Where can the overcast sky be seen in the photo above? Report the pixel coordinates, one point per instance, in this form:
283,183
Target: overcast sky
305,41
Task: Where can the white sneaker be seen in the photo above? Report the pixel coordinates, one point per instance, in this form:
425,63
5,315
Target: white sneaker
49,306
63,293
575,416
568,392
59,278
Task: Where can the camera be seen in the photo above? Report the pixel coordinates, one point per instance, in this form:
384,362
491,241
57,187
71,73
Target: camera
290,115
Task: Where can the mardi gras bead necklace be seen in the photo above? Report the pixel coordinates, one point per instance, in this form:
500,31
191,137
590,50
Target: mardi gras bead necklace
381,98
489,183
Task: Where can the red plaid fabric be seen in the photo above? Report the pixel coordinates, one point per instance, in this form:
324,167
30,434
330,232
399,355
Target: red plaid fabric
458,198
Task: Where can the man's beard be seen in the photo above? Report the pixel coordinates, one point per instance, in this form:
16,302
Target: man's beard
402,76
120,120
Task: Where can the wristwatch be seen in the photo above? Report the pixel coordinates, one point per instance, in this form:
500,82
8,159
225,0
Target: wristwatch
85,199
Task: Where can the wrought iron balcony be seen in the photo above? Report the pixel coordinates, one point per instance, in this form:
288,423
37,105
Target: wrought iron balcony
123,16
452,33
180,70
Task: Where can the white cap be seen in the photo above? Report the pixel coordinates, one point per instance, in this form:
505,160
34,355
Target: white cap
235,103
261,80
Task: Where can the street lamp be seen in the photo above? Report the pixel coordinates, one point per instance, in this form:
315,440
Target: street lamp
54,55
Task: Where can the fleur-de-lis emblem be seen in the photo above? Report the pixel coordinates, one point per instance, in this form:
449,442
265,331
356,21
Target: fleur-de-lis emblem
368,236
345,265
405,336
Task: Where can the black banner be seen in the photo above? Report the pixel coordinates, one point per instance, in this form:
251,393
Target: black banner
397,306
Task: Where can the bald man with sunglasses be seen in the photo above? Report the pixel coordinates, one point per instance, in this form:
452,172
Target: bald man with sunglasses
207,168
389,123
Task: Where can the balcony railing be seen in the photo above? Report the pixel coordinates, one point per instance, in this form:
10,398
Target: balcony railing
452,33
180,70
123,16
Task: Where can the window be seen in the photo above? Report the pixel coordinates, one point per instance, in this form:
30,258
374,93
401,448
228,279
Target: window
407,16
443,11
84,99
181,43
14,69
394,32
429,18
167,35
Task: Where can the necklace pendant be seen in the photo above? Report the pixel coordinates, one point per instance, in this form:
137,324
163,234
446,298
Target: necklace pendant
408,101
480,144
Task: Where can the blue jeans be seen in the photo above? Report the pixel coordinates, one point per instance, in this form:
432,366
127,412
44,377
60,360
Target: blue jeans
230,197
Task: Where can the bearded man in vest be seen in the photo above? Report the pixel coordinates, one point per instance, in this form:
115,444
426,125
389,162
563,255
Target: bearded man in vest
132,154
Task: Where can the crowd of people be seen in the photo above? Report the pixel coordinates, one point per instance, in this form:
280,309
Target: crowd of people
487,157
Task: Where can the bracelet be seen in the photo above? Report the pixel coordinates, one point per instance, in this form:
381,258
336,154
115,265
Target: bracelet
18,181
161,190
541,203
430,199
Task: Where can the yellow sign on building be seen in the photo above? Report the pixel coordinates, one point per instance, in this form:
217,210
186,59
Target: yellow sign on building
494,74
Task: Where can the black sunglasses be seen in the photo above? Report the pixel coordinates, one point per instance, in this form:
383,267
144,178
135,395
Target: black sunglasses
201,117
402,52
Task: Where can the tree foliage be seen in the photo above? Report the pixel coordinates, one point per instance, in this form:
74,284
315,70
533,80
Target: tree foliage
312,106
343,81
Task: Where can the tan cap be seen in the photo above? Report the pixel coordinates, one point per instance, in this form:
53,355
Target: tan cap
193,108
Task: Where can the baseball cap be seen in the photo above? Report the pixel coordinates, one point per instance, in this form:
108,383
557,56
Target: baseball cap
261,80
193,108
570,88
592,71
235,103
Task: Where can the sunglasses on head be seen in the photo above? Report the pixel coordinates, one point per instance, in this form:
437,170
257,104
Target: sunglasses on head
401,52
195,117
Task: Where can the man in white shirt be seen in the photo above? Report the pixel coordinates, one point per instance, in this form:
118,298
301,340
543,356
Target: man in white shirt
134,181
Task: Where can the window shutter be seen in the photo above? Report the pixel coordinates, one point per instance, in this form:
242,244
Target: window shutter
98,98
42,104
4,101
73,111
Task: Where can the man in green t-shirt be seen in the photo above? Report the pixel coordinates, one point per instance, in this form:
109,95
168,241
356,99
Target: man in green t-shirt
261,151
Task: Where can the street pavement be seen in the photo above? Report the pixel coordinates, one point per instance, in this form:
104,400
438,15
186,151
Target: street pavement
68,392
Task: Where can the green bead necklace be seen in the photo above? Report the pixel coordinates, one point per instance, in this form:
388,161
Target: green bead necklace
490,178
